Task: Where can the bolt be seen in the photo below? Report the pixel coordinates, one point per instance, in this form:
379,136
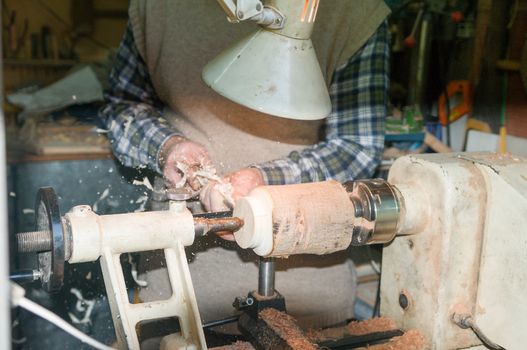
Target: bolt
81,210
37,274
258,7
463,321
404,301
36,241
240,15
178,194
241,303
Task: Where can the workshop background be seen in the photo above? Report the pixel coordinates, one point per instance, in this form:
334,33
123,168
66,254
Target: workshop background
458,82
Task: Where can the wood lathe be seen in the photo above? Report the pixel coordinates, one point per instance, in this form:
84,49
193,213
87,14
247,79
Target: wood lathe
453,264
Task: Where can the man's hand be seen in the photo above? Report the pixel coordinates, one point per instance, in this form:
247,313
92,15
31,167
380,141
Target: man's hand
244,181
238,184
180,159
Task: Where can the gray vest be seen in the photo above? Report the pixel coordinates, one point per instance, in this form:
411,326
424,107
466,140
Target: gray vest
177,38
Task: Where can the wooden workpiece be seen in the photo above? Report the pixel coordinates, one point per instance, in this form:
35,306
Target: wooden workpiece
315,218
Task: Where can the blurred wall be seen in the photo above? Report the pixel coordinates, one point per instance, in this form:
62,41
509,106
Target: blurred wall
66,19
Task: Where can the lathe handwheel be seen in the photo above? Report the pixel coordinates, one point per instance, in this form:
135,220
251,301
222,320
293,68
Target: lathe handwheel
51,263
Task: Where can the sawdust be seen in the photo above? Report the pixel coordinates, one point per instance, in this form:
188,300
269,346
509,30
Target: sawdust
411,340
378,324
286,327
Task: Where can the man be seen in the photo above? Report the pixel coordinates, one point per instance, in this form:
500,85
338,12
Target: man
161,115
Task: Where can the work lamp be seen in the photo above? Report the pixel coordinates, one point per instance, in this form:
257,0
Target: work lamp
274,70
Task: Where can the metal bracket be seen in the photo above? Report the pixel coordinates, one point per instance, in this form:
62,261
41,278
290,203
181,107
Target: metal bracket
182,303
240,10
246,9
254,10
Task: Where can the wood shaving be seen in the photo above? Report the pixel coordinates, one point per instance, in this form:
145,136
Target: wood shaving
127,125
208,173
82,306
145,183
183,168
103,196
141,200
226,190
133,265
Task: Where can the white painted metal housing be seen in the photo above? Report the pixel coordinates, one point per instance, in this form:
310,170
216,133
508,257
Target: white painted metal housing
470,256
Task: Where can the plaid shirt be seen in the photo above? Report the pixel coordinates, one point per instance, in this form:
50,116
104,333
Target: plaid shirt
354,131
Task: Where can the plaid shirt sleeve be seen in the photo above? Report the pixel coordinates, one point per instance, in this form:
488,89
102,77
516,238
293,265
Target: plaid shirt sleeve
354,131
133,114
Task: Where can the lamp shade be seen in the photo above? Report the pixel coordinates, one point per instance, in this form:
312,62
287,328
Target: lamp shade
272,74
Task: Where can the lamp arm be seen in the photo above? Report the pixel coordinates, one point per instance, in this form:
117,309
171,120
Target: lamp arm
254,10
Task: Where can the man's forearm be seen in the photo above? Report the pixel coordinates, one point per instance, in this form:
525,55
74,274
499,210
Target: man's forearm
338,159
137,133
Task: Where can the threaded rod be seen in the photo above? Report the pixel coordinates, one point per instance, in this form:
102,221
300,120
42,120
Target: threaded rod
34,241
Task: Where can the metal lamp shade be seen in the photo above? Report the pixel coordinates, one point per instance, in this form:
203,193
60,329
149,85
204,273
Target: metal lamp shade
272,74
